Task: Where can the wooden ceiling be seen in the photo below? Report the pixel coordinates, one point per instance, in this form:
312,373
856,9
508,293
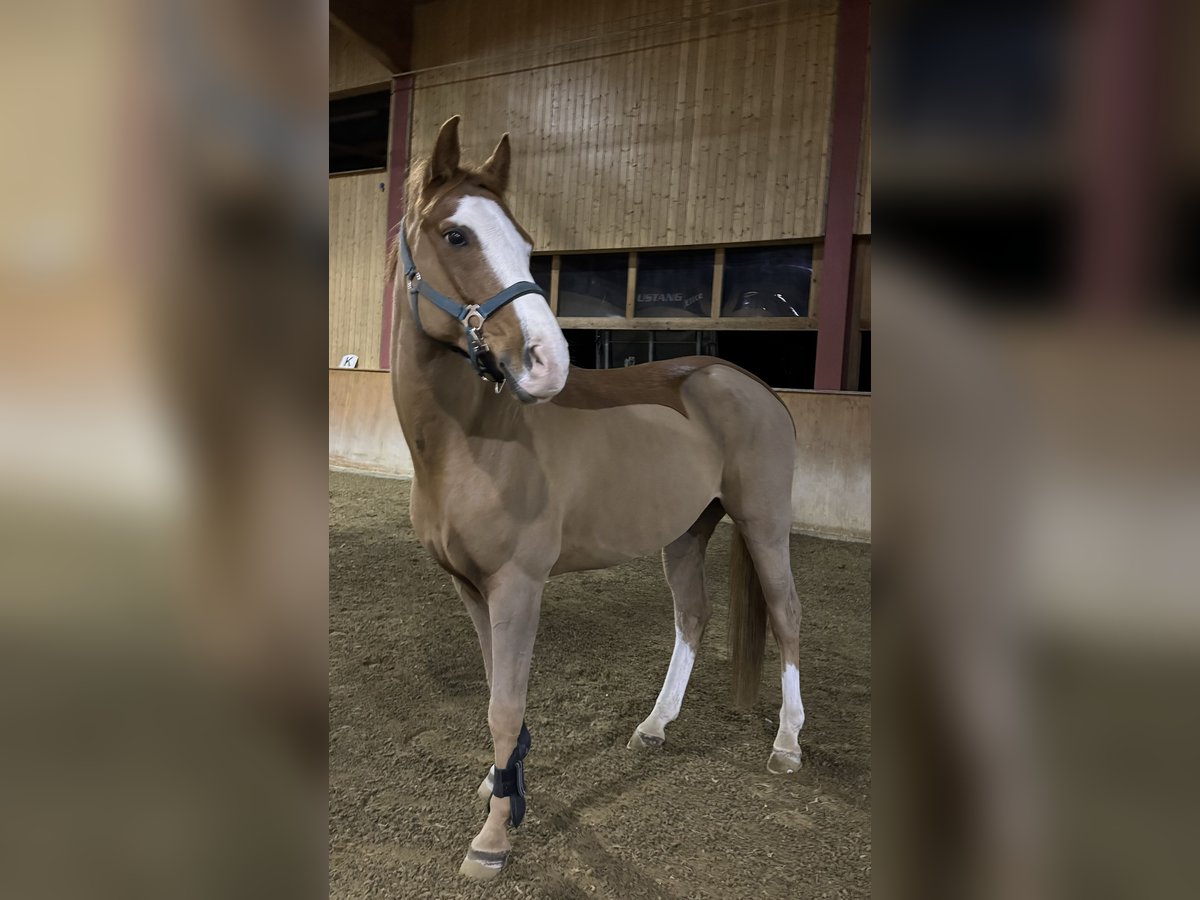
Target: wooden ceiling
385,26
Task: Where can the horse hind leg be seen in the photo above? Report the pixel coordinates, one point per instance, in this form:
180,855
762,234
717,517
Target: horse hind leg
769,549
683,564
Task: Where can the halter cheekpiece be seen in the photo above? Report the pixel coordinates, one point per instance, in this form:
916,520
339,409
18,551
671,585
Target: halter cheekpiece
471,315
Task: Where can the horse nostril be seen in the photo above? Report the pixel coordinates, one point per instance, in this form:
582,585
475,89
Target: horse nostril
534,358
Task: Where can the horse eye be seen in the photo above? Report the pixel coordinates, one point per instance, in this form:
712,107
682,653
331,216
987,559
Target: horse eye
455,238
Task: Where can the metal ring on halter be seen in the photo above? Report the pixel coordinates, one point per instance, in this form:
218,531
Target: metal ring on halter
473,310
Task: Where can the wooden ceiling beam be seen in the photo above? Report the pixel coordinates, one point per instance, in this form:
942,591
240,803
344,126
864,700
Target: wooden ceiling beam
384,26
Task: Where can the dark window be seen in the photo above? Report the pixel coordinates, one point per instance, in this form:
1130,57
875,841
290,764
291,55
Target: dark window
539,267
676,284
673,344
627,348
630,348
358,132
783,359
766,281
583,344
593,284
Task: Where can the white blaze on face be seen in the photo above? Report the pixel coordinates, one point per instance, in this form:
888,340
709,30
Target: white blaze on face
507,254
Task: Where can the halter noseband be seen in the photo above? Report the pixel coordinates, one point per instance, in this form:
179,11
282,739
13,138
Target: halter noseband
472,315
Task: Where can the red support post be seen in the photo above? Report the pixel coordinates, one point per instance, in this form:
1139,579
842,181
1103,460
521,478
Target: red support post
1119,112
845,143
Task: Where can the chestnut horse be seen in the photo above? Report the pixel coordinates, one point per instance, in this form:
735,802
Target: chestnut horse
526,467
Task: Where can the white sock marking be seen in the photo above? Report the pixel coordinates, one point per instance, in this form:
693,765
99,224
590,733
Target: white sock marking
670,698
791,714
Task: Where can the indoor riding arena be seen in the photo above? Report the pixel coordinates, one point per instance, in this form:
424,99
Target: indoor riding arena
695,178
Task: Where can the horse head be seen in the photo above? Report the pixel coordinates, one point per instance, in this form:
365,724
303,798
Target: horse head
471,254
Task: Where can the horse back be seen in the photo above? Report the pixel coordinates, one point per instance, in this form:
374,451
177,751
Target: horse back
659,383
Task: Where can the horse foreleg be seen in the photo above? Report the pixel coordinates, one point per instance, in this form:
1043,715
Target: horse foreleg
683,564
478,609
513,604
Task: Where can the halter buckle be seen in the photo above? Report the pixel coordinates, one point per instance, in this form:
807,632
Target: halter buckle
476,342
477,349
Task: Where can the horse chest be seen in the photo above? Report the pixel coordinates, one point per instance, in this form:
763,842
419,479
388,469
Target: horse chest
470,536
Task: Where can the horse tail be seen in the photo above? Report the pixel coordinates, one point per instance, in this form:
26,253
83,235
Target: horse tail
747,622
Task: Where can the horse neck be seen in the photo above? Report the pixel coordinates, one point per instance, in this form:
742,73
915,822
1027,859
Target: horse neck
439,398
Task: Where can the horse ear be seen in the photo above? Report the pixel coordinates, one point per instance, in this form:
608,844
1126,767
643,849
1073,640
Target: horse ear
444,163
496,167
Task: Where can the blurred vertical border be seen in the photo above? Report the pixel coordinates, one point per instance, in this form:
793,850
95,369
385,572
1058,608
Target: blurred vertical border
163,496
1036,448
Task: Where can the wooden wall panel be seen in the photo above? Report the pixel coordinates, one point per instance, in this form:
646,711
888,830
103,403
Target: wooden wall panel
639,123
351,65
364,430
357,252
860,280
831,490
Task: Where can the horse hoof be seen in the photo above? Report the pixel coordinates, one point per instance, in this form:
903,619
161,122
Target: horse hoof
643,741
783,763
485,786
481,865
